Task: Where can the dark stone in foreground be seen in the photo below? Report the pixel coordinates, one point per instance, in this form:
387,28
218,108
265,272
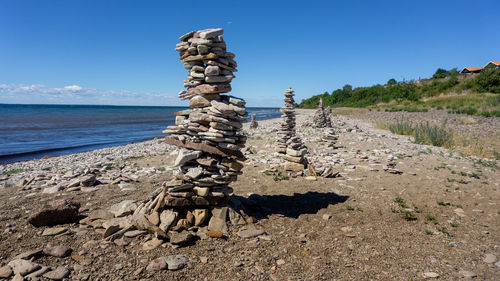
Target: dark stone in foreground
57,212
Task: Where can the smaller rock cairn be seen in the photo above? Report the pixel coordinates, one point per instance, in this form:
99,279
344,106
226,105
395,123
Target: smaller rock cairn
290,146
321,118
253,123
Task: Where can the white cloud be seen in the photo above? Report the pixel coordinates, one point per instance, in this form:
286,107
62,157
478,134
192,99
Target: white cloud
75,94
73,88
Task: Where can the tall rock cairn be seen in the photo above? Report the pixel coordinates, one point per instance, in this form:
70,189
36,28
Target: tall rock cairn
209,133
290,146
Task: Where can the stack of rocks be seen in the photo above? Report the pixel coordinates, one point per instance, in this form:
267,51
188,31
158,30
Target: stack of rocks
321,118
330,137
290,146
209,137
253,123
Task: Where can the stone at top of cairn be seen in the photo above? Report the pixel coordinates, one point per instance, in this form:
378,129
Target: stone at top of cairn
290,146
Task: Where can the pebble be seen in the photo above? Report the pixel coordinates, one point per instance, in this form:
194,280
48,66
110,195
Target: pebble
57,274
57,251
54,231
467,274
157,265
152,244
176,262
431,275
249,233
23,267
490,258
5,271
280,262
327,216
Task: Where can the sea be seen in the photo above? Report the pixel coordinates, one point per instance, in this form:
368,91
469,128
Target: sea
32,131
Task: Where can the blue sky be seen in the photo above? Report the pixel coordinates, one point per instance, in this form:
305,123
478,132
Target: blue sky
122,52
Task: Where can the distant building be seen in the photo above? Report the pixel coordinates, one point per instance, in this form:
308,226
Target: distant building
494,63
471,70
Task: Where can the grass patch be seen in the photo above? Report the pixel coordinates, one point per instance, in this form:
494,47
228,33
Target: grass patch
423,133
349,208
277,175
14,171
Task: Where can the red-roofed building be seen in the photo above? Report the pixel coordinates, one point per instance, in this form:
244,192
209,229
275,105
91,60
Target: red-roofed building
471,70
494,63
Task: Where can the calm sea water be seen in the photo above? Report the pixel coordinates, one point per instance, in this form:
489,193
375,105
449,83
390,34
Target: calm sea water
33,131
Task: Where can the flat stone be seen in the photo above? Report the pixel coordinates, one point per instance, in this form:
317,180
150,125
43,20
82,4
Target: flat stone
154,218
201,191
60,212
210,33
214,234
57,251
28,254
23,267
53,231
38,273
218,224
249,233
180,238
235,218
17,277
490,258
142,223
88,180
5,271
218,79
294,167
200,147
112,229
467,274
198,102
157,265
310,178
124,208
176,262
430,275
101,214
59,273
200,216
152,244
167,218
212,70
186,156
134,233
209,56
194,173
52,189
207,89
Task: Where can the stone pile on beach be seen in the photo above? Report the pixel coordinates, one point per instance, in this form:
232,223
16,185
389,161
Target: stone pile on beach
290,146
321,118
253,123
210,140
330,137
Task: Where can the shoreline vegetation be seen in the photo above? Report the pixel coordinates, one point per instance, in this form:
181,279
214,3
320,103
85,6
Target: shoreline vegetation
474,95
471,94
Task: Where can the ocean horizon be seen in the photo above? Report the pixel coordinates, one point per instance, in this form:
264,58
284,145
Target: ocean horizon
32,131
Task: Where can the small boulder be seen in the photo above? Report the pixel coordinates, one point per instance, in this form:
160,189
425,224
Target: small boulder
57,212
57,251
59,273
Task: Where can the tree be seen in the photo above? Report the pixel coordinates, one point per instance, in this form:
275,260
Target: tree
392,81
440,73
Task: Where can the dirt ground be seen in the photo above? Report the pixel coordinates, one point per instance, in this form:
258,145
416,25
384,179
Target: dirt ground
347,228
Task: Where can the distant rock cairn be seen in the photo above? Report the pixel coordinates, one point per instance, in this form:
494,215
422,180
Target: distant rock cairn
321,118
253,123
290,146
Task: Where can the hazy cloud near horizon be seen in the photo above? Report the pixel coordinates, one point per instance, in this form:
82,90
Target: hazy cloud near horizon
75,94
